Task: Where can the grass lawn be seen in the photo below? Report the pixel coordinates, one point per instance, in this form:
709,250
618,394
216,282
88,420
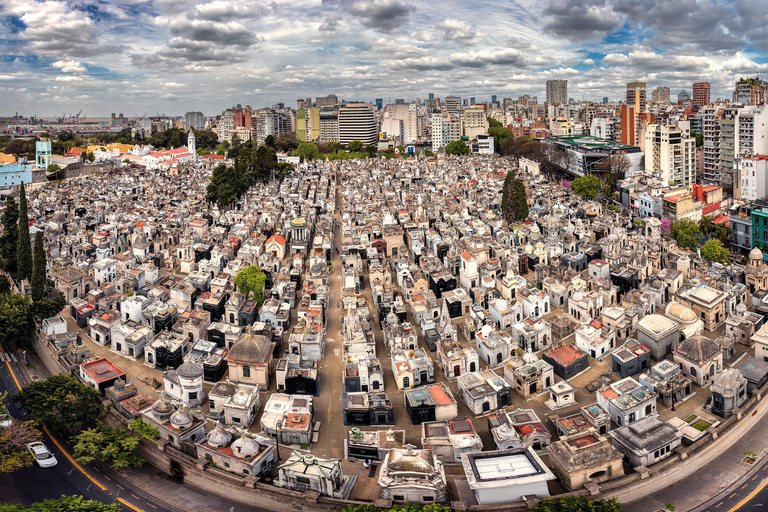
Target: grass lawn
701,425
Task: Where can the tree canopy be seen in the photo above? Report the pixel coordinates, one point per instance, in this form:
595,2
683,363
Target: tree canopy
108,445
51,304
9,237
578,504
13,442
15,316
686,232
587,186
38,268
456,147
500,134
61,402
713,250
63,504
23,243
514,203
307,151
251,280
355,146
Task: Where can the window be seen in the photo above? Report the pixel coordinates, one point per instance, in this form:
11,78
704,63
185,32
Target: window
398,497
246,371
193,395
226,464
428,499
302,480
208,457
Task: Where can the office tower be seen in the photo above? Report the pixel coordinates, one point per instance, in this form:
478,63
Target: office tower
557,92
301,103
636,96
452,105
329,100
328,125
493,99
628,124
474,121
605,99
711,131
399,101
379,103
660,95
194,120
671,152
701,94
683,96
472,100
431,96
357,122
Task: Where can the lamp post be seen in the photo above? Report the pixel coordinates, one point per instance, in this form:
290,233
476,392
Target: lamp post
279,425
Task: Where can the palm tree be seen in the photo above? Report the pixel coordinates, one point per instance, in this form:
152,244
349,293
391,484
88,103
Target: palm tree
723,233
706,226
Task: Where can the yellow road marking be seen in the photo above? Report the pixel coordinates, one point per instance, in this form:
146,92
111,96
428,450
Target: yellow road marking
718,504
121,500
151,505
732,495
8,363
743,486
78,466
120,486
751,495
135,496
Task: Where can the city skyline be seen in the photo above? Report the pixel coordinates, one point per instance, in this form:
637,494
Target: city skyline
167,56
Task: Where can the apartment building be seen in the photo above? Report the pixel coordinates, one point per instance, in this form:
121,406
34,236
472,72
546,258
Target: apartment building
671,152
701,94
557,92
358,122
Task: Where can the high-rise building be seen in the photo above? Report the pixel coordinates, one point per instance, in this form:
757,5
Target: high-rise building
628,124
194,120
557,92
472,100
750,91
358,122
711,131
636,96
329,100
445,128
474,121
379,103
328,125
727,122
302,103
399,101
493,98
671,152
431,96
452,105
683,96
605,99
701,94
660,95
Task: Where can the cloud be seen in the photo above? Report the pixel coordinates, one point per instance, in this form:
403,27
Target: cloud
578,20
457,31
69,66
588,62
381,15
330,23
68,78
219,10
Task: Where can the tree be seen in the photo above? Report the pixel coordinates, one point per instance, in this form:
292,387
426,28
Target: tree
686,232
23,245
50,305
251,280
13,442
429,152
287,142
63,504
493,123
456,147
699,138
713,250
610,169
61,402
10,235
706,226
56,170
224,187
723,233
307,151
401,149
578,504
15,316
355,146
91,157
108,445
144,429
38,268
499,134
514,203
587,186
269,141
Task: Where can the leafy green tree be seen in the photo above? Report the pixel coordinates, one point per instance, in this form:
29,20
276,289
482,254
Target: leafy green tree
61,402
307,151
224,187
514,203
371,150
355,146
56,170
13,442
23,245
706,226
428,152
63,504
492,123
499,134
401,149
10,235
713,250
456,147
686,232
587,186
265,162
15,316
144,429
269,141
206,139
91,157
108,445
38,268
724,234
578,504
51,304
251,280
287,142
699,136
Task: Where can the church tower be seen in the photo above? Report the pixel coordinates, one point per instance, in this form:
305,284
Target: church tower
191,142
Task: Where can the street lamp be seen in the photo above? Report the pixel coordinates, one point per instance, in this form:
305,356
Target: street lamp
279,425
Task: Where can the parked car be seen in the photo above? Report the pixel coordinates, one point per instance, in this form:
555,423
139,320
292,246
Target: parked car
5,417
42,455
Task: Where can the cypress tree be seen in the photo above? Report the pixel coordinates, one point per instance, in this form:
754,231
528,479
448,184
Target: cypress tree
38,268
9,238
520,201
507,200
24,246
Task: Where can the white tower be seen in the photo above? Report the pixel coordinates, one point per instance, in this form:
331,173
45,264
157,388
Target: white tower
191,142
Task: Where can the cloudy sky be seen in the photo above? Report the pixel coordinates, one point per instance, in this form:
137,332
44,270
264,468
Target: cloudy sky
170,56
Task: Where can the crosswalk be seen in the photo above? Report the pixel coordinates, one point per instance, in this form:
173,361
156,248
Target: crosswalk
8,357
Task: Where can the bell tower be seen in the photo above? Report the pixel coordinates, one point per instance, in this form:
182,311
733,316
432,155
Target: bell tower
191,142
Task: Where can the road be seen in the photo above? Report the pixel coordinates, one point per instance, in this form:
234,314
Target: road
33,484
750,494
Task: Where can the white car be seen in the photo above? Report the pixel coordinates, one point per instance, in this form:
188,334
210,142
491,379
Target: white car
42,455
5,418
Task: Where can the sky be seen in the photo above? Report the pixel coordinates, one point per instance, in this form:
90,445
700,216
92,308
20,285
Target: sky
173,56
